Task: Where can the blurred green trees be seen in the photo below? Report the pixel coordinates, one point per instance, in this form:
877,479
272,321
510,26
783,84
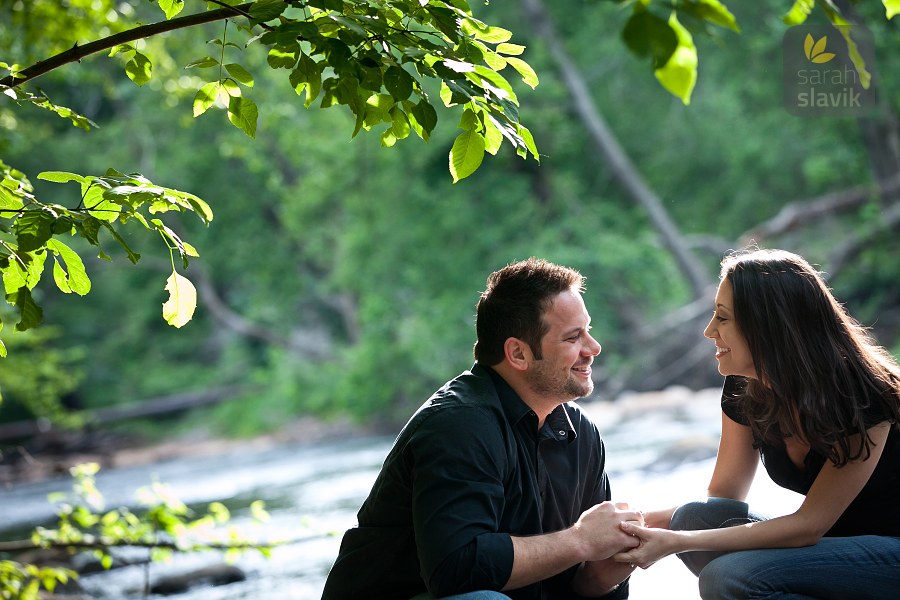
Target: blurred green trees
341,276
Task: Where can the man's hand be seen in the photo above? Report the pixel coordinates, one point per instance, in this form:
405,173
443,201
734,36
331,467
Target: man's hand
599,529
596,536
653,544
600,577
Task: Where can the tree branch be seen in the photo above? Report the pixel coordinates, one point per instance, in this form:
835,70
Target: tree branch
76,52
856,243
620,165
799,213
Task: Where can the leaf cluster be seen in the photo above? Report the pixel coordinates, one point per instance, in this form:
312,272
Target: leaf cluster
35,232
166,525
374,58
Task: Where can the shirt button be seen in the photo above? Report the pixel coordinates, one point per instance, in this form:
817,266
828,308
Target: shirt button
562,433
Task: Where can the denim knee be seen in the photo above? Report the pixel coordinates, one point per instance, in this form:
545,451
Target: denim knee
711,513
686,517
479,595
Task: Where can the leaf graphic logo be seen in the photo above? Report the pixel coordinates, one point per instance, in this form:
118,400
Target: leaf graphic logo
815,51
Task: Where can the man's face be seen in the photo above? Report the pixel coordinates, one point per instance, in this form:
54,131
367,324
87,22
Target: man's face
564,372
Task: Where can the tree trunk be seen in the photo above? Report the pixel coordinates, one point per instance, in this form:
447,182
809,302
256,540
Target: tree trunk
620,165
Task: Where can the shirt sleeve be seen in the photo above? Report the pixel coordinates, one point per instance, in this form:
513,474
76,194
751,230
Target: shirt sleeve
460,460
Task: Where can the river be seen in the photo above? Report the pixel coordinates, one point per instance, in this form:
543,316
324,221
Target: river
661,448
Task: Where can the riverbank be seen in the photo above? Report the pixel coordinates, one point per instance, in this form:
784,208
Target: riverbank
313,477
52,455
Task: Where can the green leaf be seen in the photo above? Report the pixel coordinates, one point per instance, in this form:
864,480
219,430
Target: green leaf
679,74
200,207
240,74
859,62
398,83
307,77
59,276
121,48
89,229
267,10
647,35
133,256
9,199
31,314
400,126
486,33
61,177
510,49
466,154
891,8
445,20
13,276
425,116
283,57
206,97
493,137
231,88
179,309
243,114
711,11
799,12
351,24
99,207
171,7
530,146
75,276
528,75
138,68
33,228
202,63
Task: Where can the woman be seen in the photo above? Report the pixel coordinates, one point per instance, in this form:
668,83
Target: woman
809,392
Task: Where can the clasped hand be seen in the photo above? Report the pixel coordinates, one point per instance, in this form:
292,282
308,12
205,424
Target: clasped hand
650,546
600,528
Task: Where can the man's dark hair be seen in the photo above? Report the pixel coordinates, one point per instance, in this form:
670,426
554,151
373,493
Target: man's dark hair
513,304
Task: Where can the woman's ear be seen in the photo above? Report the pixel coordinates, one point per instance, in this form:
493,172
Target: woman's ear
517,354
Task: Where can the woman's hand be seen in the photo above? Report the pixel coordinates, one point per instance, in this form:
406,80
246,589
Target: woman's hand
654,544
658,518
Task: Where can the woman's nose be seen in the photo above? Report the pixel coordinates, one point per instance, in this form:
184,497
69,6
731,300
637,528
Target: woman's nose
710,330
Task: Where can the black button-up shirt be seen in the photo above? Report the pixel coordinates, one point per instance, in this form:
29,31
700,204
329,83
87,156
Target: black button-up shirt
469,470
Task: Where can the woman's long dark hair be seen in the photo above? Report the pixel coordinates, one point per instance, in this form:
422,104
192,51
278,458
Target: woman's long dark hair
819,372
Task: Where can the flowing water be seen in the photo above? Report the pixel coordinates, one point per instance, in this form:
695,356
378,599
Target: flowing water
660,448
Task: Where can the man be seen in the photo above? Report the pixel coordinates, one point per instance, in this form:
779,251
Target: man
497,482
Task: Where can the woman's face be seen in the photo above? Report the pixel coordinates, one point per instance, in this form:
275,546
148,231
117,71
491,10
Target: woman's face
732,351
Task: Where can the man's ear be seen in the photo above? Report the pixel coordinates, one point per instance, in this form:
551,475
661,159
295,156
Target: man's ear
517,354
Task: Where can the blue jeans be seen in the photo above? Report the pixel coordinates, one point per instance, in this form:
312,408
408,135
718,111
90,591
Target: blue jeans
480,595
859,567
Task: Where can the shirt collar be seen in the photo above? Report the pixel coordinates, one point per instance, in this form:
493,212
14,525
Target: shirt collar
557,424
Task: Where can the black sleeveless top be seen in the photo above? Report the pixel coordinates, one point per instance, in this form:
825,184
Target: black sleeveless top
875,511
